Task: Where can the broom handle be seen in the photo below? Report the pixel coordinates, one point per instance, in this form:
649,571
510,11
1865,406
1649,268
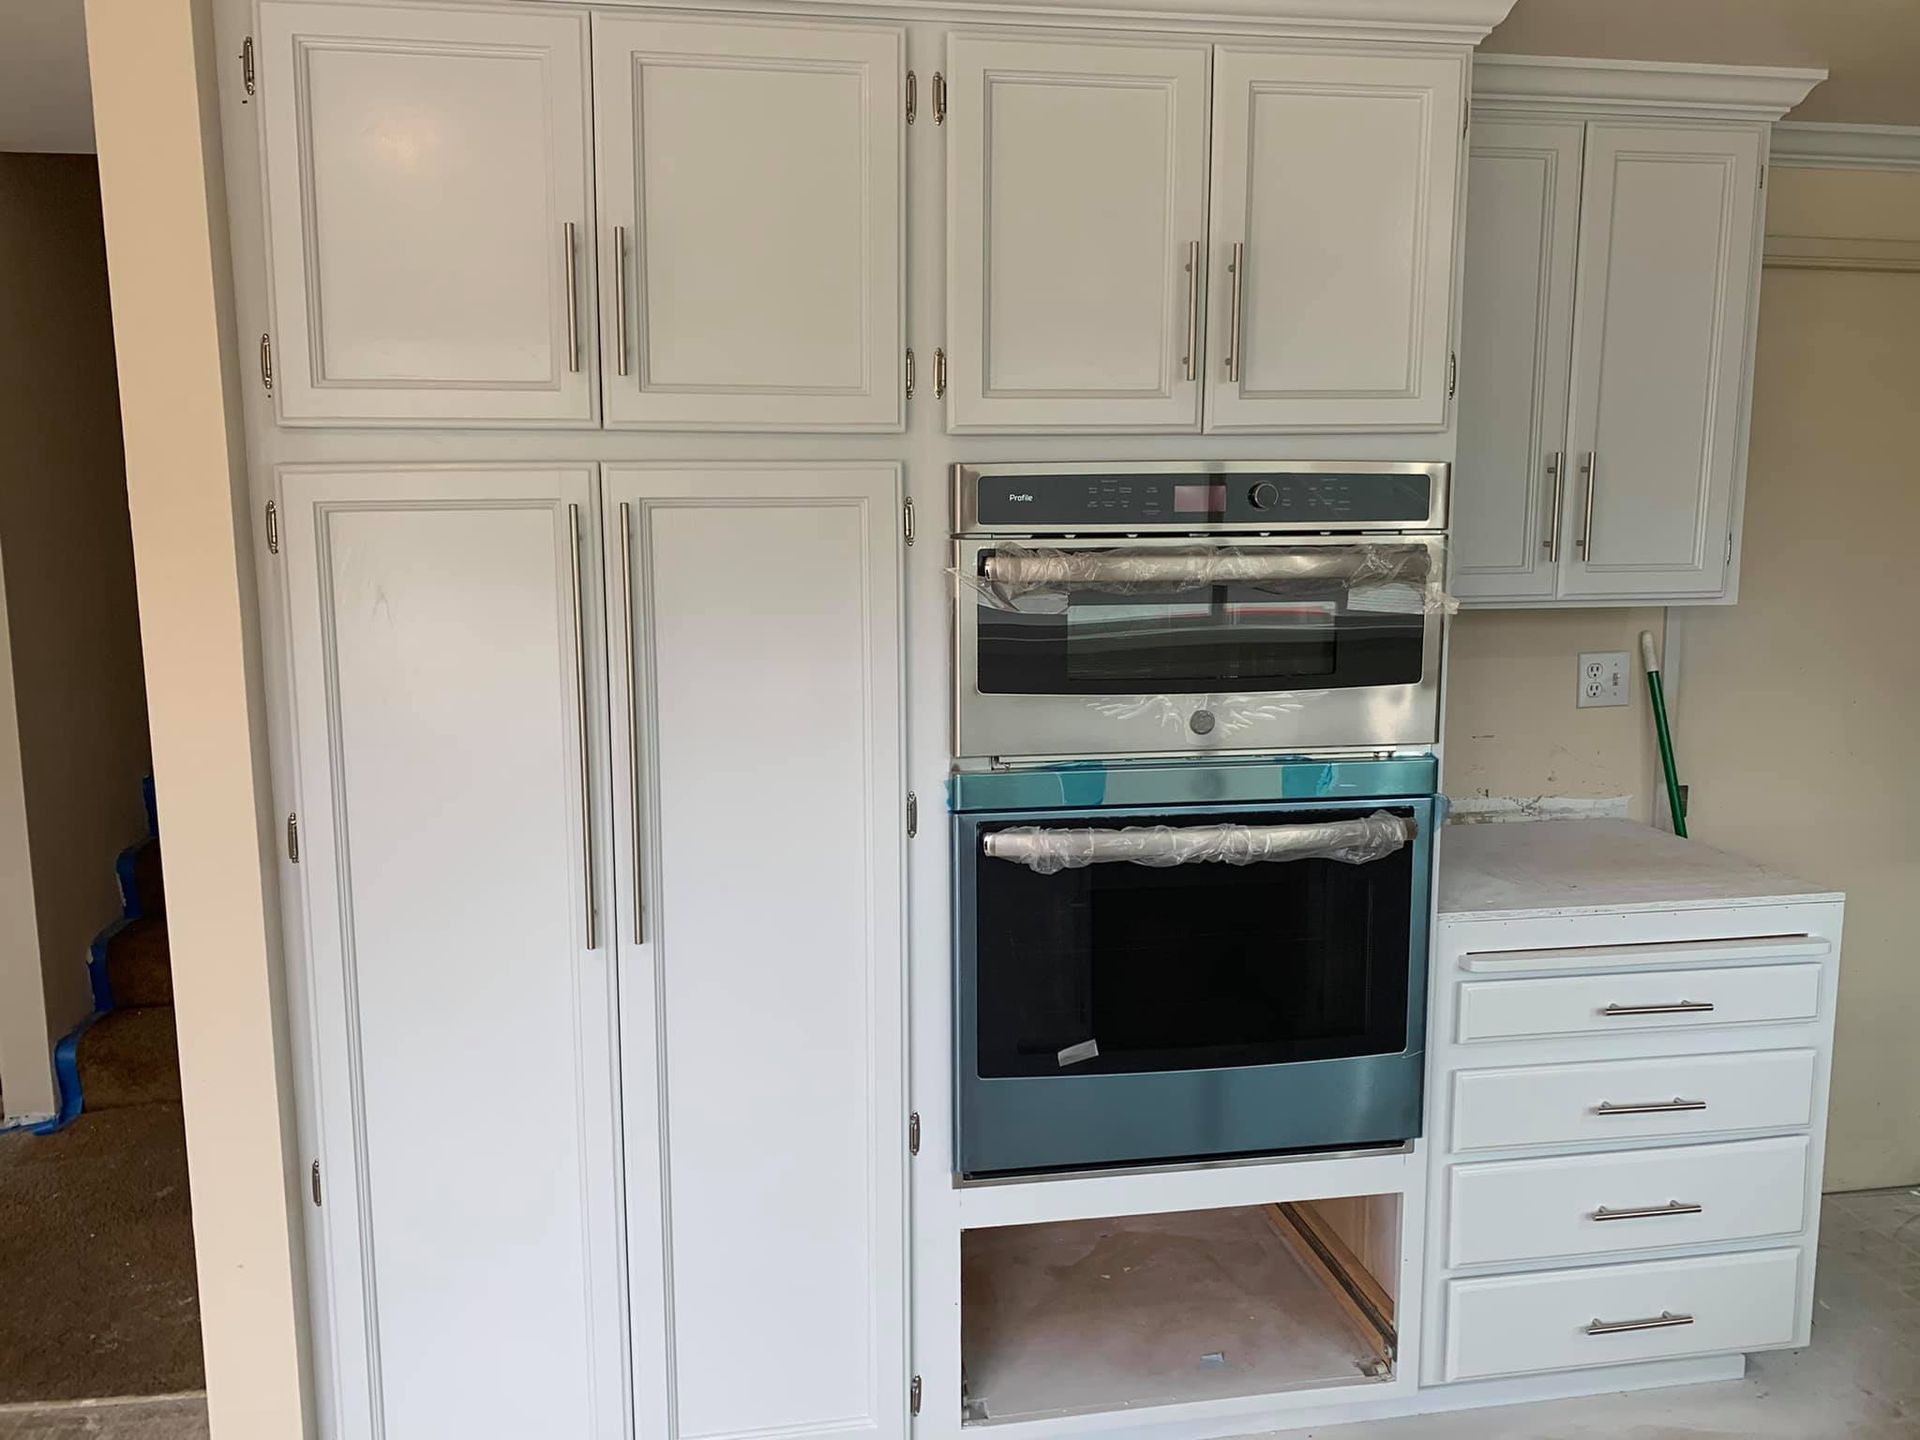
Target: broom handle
1657,695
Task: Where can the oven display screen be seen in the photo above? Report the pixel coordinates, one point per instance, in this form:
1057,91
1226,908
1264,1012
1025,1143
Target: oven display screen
1209,501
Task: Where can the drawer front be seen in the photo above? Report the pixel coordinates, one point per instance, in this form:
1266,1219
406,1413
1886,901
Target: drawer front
1632,1099
1583,1205
1659,1000
1571,1319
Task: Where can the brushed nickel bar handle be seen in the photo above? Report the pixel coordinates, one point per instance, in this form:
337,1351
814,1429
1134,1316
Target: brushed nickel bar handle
633,730
1235,264
1556,468
1192,361
620,297
1665,1320
1679,1007
1655,1107
580,684
573,299
1649,1212
1588,468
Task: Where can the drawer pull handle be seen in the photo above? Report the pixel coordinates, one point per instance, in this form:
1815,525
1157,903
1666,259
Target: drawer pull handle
1651,1107
1679,1007
1649,1212
1665,1320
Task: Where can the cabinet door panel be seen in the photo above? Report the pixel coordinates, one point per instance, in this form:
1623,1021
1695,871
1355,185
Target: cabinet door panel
1516,348
1660,354
755,174
1337,174
764,1015
1076,193
422,169
460,1000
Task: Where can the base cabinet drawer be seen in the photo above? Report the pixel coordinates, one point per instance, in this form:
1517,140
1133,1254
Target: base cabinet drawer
1618,1314
1632,1099
1576,1206
1647,1000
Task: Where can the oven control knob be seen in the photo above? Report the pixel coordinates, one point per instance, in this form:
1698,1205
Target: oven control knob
1264,495
1201,722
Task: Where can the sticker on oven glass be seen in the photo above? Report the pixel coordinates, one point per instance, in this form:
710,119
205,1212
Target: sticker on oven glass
1388,598
1074,1054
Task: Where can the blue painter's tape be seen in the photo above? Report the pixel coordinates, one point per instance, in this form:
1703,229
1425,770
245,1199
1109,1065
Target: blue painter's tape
66,1070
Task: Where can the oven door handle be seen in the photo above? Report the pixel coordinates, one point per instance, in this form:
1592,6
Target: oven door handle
1049,850
1046,568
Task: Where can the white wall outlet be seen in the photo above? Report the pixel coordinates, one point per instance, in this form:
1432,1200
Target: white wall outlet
1603,678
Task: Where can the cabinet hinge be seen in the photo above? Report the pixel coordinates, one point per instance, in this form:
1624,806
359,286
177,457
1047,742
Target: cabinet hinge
313,1177
909,372
913,815
913,1133
266,362
293,838
906,520
246,68
939,374
913,1396
273,528
1453,372
913,96
939,98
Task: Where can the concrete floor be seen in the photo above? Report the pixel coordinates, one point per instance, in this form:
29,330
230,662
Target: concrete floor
1860,1380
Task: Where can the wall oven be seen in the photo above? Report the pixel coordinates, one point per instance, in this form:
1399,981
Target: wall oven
1168,961
1208,606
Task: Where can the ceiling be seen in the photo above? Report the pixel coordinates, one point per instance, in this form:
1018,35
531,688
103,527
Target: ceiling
44,101
1871,47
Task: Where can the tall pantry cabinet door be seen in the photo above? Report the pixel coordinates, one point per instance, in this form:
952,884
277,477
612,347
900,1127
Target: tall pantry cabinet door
1661,327
1334,180
1077,217
459,966
750,205
757,621
1510,480
429,215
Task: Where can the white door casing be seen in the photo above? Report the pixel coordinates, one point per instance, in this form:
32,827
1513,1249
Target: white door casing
425,171
757,618
1077,213
1510,482
463,1007
751,207
1659,357
1336,174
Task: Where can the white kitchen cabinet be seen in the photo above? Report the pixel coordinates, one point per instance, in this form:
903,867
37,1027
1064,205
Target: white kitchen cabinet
1332,239
429,214
761,866
750,182
458,964
1077,215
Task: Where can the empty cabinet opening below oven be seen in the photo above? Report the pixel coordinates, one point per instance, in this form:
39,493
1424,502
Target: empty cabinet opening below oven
1086,1316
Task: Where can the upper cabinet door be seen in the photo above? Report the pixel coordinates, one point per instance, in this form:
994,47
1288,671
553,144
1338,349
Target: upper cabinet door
1334,179
1510,480
1077,211
431,230
1660,350
750,212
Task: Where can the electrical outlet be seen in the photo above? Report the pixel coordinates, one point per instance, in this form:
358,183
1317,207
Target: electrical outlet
1603,678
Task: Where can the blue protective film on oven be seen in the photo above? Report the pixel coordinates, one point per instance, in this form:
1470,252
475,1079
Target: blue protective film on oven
1094,784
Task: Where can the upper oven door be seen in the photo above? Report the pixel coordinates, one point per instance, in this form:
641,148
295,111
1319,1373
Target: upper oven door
1146,646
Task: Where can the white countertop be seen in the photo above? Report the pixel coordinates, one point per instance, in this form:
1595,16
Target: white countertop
1555,866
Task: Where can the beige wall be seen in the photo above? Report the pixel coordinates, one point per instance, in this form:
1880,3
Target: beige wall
26,1071
1800,706
155,117
80,706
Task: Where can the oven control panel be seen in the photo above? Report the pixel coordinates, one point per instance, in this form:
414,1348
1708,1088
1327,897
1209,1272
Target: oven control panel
1009,499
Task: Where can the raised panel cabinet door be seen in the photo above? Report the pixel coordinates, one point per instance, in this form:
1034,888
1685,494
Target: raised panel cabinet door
429,209
1516,349
1077,217
1333,203
750,202
458,968
757,692
1661,326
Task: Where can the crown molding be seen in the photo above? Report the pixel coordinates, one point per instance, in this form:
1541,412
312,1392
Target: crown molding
1822,252
1847,147
1566,85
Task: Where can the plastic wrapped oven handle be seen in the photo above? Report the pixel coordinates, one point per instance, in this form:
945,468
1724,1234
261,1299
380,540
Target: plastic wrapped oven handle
1047,851
1049,569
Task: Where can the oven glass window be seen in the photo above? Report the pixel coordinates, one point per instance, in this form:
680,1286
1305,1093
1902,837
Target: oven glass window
1317,634
1119,968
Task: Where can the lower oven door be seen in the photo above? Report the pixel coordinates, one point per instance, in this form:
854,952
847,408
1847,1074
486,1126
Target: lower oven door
1114,1012
1173,646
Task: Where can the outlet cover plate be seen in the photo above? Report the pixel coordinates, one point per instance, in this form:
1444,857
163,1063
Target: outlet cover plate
1603,678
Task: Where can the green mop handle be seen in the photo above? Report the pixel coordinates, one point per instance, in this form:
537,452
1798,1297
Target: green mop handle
1675,806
